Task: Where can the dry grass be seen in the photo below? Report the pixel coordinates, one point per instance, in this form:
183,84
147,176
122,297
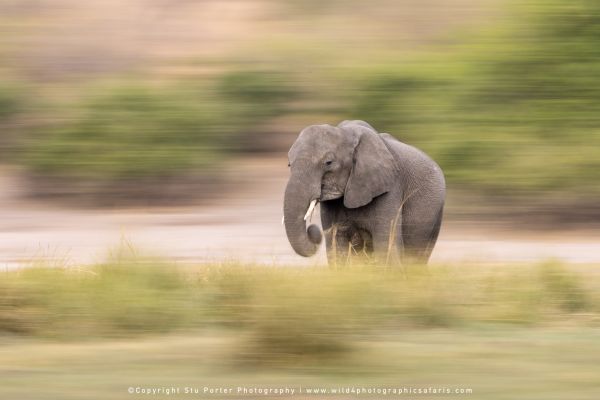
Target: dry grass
289,311
140,321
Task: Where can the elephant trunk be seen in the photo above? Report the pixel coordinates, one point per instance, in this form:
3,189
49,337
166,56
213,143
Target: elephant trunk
298,199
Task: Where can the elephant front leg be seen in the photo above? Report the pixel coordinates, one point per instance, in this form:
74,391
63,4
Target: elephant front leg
337,245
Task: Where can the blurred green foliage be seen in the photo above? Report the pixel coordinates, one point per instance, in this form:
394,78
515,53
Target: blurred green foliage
111,300
496,363
286,313
131,131
512,109
11,105
10,101
263,94
137,130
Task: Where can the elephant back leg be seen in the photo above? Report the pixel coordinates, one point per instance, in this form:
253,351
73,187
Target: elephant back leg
420,230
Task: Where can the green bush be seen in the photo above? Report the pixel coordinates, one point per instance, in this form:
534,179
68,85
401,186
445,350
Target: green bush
297,317
11,105
10,101
113,299
138,130
564,290
133,131
514,109
260,94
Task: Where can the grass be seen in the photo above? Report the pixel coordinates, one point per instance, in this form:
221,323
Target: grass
502,363
288,310
136,321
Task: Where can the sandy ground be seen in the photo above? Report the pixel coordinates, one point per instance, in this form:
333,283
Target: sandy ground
243,225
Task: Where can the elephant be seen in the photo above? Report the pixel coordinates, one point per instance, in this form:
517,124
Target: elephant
378,196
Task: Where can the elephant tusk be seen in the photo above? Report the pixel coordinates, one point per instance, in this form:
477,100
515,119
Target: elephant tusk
282,220
310,210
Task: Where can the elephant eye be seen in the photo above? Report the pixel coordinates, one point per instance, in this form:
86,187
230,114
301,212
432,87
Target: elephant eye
328,162
288,164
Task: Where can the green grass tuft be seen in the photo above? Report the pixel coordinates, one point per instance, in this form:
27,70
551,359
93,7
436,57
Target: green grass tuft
287,313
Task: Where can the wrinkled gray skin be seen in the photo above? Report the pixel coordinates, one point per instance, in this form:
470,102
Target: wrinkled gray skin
377,195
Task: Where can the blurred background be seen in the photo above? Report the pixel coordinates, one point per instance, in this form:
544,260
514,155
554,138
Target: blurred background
169,121
162,127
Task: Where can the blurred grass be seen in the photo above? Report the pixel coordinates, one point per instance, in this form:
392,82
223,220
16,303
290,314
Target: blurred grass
541,363
135,320
288,313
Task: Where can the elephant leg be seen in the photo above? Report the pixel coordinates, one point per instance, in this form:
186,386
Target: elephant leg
420,232
338,233
338,245
331,226
387,240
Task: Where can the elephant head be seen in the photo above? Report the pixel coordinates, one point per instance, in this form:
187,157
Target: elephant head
330,162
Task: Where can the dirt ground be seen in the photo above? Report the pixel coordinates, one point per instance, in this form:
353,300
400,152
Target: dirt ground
243,224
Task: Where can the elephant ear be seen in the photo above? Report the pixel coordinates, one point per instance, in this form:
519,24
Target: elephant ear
373,167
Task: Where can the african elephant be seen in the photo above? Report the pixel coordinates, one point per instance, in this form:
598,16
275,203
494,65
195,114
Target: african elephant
377,195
